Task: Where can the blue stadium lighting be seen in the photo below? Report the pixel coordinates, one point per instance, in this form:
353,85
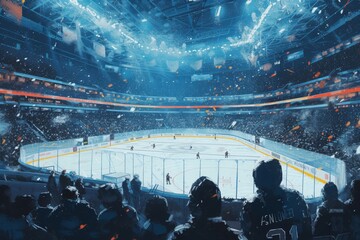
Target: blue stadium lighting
218,11
250,37
94,92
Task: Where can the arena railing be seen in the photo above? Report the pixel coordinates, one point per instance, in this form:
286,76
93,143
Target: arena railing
319,167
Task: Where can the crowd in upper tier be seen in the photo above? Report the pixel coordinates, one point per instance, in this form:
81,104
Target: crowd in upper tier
274,212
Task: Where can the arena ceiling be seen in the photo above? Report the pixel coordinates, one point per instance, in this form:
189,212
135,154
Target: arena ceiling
189,28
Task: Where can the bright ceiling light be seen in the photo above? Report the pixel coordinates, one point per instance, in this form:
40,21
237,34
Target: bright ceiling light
218,11
144,20
250,37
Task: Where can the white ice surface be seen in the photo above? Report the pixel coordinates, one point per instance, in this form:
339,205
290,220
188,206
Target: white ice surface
175,157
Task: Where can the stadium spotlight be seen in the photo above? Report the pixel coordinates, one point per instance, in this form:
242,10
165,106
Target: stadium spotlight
218,11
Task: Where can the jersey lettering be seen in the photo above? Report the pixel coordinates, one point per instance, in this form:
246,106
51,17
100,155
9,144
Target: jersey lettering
285,214
282,234
276,232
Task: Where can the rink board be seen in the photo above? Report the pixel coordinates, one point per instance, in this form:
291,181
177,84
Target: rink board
173,156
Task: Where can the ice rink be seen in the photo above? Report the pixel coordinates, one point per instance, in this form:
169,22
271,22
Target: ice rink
178,158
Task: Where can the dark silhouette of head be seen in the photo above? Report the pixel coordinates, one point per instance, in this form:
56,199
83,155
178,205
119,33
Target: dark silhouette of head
156,209
70,193
24,204
109,195
268,175
330,191
204,199
79,181
44,199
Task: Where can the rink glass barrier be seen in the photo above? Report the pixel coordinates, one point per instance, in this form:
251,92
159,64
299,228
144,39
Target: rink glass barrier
104,160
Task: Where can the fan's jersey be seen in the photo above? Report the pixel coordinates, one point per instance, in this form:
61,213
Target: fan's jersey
353,209
73,220
210,230
281,215
332,218
120,224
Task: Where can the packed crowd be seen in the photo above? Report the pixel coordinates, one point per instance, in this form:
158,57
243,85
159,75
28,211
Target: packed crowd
275,212
333,132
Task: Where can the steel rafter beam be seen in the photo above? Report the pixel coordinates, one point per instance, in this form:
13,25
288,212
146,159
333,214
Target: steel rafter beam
192,11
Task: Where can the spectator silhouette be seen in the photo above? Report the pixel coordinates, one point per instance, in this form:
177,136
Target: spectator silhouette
353,208
80,187
332,217
64,181
116,221
127,190
21,222
205,208
5,210
5,199
52,187
42,212
274,208
159,224
71,219
136,189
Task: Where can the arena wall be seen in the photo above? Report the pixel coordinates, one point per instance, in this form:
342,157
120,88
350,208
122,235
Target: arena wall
319,167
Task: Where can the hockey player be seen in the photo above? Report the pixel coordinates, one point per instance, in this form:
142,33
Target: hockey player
205,208
116,221
132,148
331,216
353,207
168,178
153,145
198,155
226,154
274,213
